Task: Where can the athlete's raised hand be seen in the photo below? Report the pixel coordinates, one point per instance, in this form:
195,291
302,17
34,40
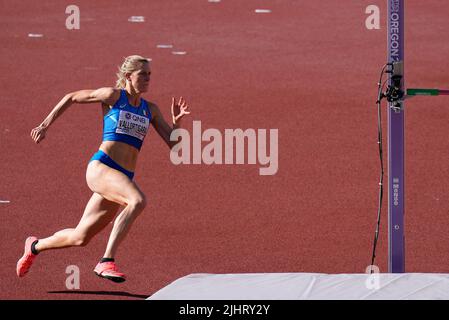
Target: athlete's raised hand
38,134
178,110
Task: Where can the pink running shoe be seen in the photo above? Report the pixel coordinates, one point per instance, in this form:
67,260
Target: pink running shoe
24,264
108,270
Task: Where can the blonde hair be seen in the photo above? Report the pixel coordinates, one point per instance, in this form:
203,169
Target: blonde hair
131,64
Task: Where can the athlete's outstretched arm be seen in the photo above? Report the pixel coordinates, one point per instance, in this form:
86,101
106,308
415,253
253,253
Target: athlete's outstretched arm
104,95
178,110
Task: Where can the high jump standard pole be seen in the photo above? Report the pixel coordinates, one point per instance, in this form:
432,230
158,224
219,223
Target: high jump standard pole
396,182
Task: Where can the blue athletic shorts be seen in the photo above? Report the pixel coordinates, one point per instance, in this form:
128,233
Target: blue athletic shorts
104,158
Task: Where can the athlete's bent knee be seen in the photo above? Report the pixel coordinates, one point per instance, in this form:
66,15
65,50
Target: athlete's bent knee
80,241
138,203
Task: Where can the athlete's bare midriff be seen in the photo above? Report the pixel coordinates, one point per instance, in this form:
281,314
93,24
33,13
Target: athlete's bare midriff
122,153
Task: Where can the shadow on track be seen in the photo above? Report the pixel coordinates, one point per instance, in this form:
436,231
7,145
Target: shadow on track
103,293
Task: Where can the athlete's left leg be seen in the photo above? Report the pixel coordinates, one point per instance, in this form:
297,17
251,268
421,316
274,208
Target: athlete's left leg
99,212
97,215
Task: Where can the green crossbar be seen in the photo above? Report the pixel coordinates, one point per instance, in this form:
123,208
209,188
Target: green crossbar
423,92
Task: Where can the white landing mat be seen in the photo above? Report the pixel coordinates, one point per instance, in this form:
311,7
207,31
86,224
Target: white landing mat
307,286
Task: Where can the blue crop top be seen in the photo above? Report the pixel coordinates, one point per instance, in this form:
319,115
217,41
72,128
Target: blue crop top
127,123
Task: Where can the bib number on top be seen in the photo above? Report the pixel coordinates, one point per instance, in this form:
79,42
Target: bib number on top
132,124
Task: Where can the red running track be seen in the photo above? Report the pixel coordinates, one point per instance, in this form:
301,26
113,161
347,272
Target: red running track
308,69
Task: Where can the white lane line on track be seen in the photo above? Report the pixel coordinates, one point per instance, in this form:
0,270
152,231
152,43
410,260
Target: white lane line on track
35,35
214,1
136,19
180,53
5,201
262,11
164,46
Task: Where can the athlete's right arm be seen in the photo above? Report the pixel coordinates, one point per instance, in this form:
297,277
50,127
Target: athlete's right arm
105,95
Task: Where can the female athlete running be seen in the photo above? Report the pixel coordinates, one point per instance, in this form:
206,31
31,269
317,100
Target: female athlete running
110,171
